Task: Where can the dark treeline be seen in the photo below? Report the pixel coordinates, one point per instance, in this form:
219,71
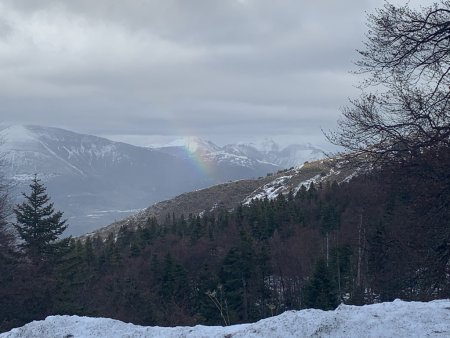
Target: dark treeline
381,236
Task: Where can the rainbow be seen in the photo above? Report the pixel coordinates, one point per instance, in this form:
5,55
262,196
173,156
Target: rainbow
202,165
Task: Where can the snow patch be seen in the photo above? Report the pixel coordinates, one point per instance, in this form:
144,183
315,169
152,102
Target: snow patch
17,134
308,183
30,177
270,190
395,319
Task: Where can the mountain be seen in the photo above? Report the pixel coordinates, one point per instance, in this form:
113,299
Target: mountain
269,151
264,152
390,319
211,158
194,144
95,180
229,195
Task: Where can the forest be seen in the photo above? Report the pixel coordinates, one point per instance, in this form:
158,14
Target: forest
381,236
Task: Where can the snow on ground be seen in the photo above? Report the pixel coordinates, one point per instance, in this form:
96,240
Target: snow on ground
308,183
270,190
396,319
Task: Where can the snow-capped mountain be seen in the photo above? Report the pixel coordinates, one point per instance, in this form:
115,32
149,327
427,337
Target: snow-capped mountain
194,144
213,158
269,151
265,152
95,180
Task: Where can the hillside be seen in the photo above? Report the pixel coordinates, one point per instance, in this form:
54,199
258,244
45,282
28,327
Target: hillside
228,196
397,319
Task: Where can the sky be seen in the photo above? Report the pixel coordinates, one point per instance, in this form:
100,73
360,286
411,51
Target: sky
149,71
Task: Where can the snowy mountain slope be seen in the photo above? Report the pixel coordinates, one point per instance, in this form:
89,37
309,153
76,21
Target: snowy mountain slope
96,181
93,180
292,180
59,151
395,319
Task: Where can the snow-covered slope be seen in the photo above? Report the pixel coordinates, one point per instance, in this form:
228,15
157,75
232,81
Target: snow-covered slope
396,319
56,151
92,179
293,180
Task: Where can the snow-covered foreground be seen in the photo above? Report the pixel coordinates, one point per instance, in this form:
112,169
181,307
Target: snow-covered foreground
396,319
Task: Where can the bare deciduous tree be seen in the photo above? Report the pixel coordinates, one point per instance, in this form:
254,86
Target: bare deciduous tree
404,109
6,237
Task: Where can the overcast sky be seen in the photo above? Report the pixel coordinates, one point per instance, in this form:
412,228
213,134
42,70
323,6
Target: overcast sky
226,70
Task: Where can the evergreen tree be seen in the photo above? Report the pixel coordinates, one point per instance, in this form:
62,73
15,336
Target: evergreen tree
9,269
320,293
38,225
71,275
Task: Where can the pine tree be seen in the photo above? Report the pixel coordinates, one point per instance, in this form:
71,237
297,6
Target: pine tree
38,225
9,269
320,292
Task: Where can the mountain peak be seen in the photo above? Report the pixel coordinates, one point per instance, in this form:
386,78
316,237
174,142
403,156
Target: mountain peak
268,145
17,134
194,144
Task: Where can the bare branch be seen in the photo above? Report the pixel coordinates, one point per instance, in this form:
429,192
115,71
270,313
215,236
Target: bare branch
407,58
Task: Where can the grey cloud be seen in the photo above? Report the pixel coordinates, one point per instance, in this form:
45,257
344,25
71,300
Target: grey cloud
211,67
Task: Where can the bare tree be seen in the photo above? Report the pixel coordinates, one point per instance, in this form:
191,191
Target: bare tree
7,240
402,118
404,109
6,237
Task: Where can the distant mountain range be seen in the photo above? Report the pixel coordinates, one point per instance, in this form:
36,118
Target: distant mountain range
269,151
96,181
250,155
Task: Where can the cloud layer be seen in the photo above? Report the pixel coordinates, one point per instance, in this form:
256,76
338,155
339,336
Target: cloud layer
227,70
